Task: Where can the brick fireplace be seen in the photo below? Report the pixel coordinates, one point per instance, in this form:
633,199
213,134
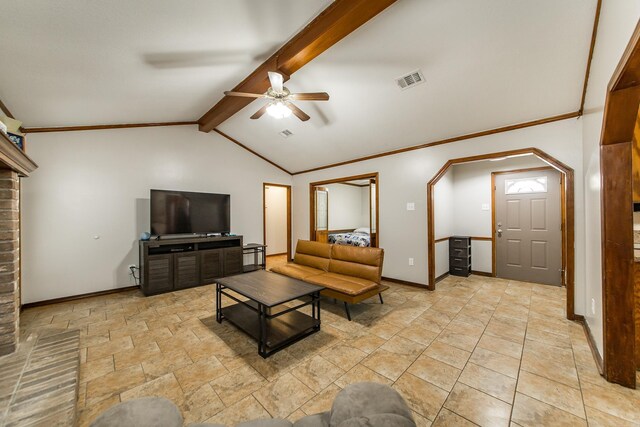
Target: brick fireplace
14,164
9,260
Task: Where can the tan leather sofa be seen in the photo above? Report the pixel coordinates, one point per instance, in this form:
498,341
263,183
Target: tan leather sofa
348,273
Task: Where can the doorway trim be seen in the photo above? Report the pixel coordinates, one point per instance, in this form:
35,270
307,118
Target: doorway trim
494,270
264,216
567,207
312,200
617,181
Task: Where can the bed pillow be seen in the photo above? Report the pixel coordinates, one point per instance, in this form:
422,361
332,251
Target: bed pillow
362,230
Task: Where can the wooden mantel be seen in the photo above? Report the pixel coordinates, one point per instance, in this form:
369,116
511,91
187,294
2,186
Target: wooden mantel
11,157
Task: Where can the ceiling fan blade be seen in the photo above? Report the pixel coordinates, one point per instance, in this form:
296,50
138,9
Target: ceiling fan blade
276,80
310,96
260,112
298,112
244,94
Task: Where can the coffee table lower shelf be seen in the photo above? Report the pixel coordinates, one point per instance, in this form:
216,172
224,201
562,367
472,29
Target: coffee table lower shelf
281,330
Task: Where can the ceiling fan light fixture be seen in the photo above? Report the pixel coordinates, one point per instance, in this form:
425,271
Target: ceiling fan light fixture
278,110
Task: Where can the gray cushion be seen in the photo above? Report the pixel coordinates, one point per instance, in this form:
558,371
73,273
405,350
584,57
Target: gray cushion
380,420
365,400
143,412
269,422
315,420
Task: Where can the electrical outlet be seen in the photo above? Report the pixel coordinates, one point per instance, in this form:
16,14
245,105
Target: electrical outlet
593,306
410,261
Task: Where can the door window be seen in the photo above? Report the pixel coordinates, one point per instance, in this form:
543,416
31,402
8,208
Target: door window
525,185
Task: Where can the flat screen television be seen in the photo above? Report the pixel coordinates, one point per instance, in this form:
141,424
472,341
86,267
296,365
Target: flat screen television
184,212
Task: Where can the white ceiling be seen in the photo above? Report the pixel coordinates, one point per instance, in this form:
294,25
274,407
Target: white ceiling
487,64
85,62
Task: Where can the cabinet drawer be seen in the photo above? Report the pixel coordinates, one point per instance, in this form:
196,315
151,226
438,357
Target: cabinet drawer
459,252
459,242
459,271
460,262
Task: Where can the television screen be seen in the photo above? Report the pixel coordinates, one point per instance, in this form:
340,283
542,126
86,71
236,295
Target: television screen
182,212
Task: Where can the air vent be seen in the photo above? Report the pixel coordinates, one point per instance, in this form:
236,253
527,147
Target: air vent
285,133
410,80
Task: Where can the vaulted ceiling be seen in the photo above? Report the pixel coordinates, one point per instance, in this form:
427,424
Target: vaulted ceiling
487,64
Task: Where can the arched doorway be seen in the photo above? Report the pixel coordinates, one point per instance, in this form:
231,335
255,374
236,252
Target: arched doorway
568,217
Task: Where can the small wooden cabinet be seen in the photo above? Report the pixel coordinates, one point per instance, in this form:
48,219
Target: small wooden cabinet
169,265
460,256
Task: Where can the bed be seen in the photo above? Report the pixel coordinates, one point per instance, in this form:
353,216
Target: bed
358,237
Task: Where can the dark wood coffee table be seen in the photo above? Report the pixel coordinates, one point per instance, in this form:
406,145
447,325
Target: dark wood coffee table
264,316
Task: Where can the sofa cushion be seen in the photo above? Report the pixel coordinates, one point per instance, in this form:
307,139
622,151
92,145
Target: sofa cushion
313,254
346,284
369,400
378,420
296,271
355,261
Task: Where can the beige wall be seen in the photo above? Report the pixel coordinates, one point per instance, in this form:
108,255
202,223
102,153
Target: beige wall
86,205
345,207
471,188
443,220
404,177
617,22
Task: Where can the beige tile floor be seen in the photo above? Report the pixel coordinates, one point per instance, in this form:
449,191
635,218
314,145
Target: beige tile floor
476,351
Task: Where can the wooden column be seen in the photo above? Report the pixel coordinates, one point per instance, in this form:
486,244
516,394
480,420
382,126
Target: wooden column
617,264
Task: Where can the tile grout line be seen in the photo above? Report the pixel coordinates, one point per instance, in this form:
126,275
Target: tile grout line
524,340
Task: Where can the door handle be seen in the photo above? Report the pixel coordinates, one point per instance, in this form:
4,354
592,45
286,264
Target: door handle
499,232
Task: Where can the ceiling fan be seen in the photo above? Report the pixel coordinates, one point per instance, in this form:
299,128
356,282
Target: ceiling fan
280,105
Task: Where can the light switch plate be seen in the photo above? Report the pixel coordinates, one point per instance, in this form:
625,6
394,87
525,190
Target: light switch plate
484,207
411,206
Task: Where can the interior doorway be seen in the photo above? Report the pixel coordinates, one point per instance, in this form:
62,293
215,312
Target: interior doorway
527,225
567,214
620,181
345,210
276,214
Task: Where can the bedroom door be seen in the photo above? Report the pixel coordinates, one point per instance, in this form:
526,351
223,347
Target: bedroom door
528,226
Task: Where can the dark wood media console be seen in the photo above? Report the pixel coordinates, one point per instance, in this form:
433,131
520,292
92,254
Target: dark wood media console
173,264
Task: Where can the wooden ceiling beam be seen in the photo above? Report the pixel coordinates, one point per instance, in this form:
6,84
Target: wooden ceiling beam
338,20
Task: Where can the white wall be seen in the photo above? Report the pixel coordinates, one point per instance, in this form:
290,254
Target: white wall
404,177
618,19
345,207
443,220
96,183
276,220
471,189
